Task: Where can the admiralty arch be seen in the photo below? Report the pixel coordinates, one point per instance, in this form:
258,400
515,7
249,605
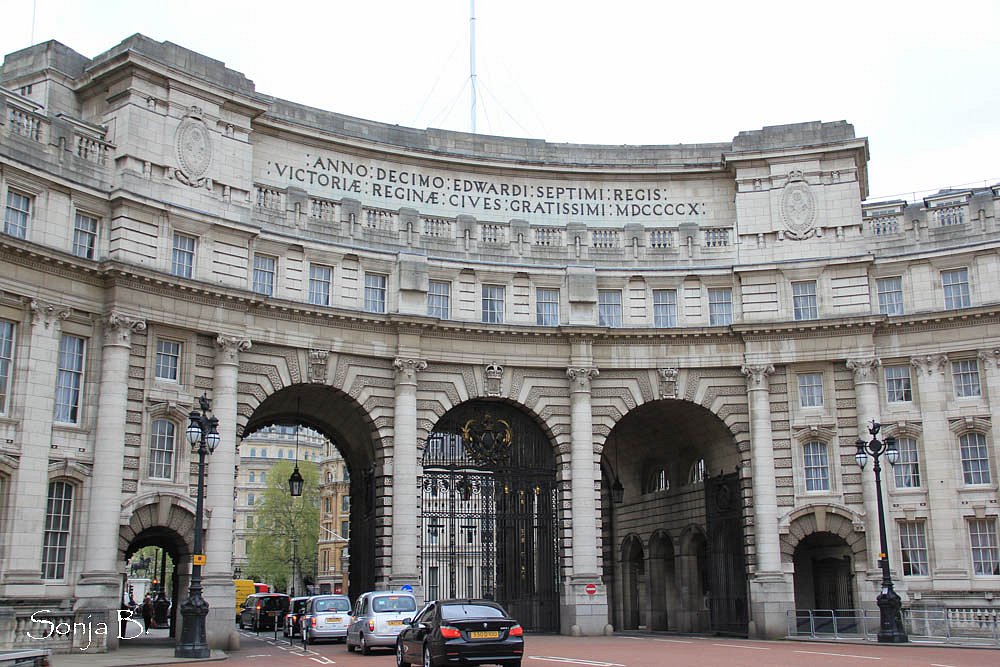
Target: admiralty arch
614,387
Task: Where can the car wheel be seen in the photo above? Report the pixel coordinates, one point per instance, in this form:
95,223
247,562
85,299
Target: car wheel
365,648
427,657
399,655
350,646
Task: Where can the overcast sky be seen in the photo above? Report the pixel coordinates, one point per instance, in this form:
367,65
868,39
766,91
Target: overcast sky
919,79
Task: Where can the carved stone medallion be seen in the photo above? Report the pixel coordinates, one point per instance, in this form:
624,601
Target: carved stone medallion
194,148
798,207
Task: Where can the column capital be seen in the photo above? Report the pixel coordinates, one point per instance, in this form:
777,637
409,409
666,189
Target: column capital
580,377
864,369
407,369
990,357
46,313
756,375
229,348
928,363
118,328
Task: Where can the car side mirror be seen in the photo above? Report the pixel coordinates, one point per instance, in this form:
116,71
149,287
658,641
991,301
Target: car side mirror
408,621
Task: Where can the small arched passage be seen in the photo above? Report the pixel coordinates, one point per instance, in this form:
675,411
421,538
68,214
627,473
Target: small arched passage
633,569
824,547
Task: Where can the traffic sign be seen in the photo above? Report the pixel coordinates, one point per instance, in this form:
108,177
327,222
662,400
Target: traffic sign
591,589
406,588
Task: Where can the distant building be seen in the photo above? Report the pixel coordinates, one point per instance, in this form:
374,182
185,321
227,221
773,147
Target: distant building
333,559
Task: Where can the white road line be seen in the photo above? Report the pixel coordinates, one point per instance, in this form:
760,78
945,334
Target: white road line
575,661
673,641
323,660
261,655
934,664
841,655
752,648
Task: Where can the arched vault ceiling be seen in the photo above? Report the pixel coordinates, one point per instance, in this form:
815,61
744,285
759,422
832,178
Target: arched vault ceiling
666,428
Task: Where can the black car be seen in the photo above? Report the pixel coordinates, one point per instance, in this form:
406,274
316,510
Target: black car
264,611
296,607
461,632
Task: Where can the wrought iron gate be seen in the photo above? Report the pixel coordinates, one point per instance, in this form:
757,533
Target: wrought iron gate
727,574
488,512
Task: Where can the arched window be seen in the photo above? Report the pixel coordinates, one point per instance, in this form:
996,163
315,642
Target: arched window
696,474
162,442
253,477
656,481
817,466
58,524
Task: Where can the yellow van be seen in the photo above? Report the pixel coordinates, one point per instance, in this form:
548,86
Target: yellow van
244,587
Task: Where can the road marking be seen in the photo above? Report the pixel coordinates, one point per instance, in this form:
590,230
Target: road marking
934,664
673,641
841,655
323,660
575,661
261,655
753,648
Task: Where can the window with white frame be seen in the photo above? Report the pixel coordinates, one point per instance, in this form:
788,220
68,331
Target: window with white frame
182,256
375,286
965,374
547,307
493,298
609,308
804,300
656,480
84,236
975,458
913,548
897,384
320,282
956,288
439,299
6,362
264,267
17,214
664,308
69,379
720,306
985,551
162,445
253,477
696,474
906,472
811,390
817,466
250,499
890,295
168,360
58,525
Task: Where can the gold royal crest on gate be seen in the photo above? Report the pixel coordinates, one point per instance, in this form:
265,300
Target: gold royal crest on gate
488,440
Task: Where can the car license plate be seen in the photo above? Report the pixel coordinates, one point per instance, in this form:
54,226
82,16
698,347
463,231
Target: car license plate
395,623
335,619
485,635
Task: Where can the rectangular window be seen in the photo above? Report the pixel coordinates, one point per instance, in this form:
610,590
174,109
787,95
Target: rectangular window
345,529
375,285
433,583
817,467
985,552
913,548
975,459
493,298
811,390
250,499
263,274
84,236
69,379
58,521
965,374
320,281
907,468
168,360
609,308
804,300
6,362
161,450
547,307
720,307
890,295
956,288
17,214
897,384
182,258
439,299
664,308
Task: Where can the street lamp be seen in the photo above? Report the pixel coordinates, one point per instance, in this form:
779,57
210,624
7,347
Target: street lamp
889,604
201,432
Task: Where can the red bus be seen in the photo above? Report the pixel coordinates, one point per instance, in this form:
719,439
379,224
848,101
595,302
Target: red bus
261,588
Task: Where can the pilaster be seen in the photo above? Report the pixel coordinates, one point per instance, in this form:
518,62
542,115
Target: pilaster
765,498
404,472
867,405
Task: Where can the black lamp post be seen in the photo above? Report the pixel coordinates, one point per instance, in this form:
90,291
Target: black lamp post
203,432
889,604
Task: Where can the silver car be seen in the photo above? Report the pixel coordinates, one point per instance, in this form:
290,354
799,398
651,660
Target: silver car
325,617
379,616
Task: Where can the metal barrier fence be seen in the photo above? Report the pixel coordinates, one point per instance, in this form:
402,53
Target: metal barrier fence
967,625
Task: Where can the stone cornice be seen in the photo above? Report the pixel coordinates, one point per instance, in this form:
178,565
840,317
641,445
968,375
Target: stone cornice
842,326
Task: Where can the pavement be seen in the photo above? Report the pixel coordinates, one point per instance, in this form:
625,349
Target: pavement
155,648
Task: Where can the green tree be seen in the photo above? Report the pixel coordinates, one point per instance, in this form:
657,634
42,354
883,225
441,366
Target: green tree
287,530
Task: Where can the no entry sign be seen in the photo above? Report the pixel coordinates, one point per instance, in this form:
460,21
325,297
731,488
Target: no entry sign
591,589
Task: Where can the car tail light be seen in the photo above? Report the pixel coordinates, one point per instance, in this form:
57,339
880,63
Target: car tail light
516,631
313,620
371,625
448,632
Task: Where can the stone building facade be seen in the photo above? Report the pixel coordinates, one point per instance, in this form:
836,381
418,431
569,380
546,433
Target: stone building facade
500,335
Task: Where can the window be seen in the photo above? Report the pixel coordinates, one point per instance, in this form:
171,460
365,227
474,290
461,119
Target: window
250,499
657,480
249,520
720,306
817,467
17,214
374,293
956,288
253,476
58,521
327,505
161,449
913,548
263,477
69,379
547,307
253,451
890,295
897,384
168,360
263,453
493,299
975,459
345,529
84,236
965,374
320,281
182,258
609,308
983,538
281,453
6,361
811,390
804,300
696,474
439,299
907,469
664,308
433,583
263,274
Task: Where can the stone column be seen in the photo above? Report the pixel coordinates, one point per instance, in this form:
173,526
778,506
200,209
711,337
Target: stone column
404,473
765,497
867,404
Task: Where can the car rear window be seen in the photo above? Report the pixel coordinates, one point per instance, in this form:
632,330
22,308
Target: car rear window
394,603
273,603
333,604
452,612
